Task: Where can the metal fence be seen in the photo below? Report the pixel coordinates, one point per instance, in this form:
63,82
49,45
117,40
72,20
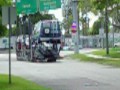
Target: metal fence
96,41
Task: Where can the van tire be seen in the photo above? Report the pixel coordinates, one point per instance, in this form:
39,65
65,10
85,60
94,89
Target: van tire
51,59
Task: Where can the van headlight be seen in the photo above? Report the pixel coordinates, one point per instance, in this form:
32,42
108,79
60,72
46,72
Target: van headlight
47,44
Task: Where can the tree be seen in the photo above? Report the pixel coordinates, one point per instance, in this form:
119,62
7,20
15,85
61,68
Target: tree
3,30
113,10
98,7
5,2
38,16
67,23
96,27
34,18
85,6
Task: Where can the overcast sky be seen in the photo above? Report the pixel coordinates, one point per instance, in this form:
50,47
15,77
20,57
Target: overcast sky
58,15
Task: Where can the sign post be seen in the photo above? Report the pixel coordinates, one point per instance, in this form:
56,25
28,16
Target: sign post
74,30
9,18
13,15
9,22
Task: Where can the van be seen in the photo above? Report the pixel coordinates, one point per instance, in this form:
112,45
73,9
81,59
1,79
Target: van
47,30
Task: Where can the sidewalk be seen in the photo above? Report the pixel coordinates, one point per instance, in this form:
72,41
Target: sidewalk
101,57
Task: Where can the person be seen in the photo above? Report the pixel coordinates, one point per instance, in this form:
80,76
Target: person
19,45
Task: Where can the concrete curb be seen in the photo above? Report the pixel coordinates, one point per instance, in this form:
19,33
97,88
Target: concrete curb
101,57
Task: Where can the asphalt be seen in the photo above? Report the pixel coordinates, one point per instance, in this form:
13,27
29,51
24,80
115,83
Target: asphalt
65,74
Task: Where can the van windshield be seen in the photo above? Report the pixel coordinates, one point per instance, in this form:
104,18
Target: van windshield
53,26
46,25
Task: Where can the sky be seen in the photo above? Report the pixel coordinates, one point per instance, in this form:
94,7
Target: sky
58,15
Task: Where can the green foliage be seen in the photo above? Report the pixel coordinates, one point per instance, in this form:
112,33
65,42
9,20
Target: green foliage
34,18
96,27
5,2
18,84
67,23
90,31
85,5
101,4
3,29
14,31
85,58
114,53
38,16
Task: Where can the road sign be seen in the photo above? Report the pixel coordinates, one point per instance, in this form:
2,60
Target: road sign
26,6
49,4
13,15
74,27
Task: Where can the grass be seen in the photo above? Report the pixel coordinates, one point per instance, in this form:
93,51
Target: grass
114,53
18,84
85,58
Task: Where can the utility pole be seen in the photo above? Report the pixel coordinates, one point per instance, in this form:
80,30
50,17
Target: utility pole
106,27
75,19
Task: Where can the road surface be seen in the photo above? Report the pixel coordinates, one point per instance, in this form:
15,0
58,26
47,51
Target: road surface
65,74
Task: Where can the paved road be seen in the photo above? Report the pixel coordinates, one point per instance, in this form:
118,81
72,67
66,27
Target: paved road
65,74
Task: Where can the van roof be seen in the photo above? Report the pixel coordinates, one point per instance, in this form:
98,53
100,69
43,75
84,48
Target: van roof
50,21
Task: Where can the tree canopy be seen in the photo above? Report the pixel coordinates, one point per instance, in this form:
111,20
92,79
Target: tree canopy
67,23
98,8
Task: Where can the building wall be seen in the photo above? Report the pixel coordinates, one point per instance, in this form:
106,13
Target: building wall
5,45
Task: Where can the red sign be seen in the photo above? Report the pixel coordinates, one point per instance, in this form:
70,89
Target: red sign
74,27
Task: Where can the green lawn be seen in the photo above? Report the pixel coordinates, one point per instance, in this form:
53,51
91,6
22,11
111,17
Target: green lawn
18,84
114,53
85,58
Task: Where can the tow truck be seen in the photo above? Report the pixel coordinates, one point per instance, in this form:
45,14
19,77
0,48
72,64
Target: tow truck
45,41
